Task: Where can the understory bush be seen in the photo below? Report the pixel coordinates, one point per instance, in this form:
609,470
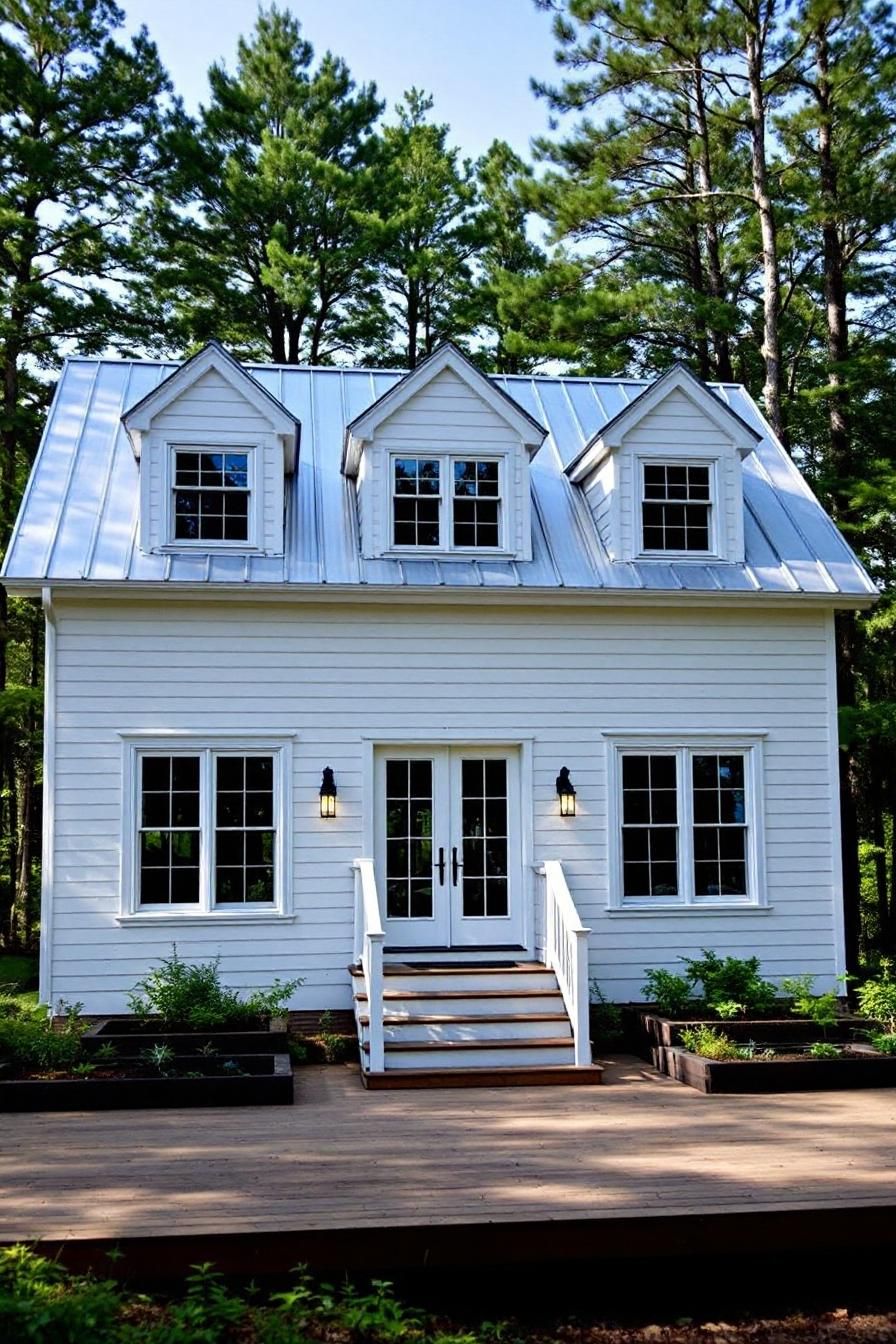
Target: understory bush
822,1009
884,1041
877,998
669,992
185,994
29,1042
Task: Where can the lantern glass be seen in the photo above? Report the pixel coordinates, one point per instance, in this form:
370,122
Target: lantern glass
328,805
567,804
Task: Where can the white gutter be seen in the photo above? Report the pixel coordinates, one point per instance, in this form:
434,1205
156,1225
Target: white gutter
45,983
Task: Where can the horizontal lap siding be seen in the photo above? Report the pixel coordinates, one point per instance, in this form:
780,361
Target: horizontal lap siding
334,678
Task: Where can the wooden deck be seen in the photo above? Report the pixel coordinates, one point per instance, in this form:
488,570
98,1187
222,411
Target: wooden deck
354,1178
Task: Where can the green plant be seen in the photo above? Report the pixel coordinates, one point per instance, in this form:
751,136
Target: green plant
107,1053
606,1019
377,1314
710,1043
729,1008
84,1069
184,994
822,1009
30,1043
824,1050
160,1056
298,1052
41,1304
884,1041
877,998
731,979
752,1051
669,992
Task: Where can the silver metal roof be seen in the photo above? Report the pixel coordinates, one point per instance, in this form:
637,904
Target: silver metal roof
78,520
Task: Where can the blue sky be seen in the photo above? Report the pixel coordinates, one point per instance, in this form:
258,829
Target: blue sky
474,56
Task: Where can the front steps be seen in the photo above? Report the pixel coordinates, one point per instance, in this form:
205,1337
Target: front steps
470,1025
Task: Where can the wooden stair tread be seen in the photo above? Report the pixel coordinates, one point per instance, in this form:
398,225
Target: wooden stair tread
464,994
508,1075
464,1019
460,968
514,1043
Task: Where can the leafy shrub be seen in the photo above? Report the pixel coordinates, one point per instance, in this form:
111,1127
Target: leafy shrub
30,1043
822,1009
189,995
729,1008
40,1304
733,979
710,1043
877,998
669,992
884,1041
824,1050
606,1019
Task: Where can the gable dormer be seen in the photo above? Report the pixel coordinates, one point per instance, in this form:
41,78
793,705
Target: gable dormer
214,448
663,478
441,465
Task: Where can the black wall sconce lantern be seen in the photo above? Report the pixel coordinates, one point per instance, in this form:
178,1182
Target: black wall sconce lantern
327,793
566,793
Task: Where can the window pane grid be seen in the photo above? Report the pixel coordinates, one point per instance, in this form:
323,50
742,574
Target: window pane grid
245,836
649,826
416,501
484,838
476,504
211,496
675,509
409,803
720,829
169,830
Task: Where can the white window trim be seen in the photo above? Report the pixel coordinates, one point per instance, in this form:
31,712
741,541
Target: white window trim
683,745
192,443
136,745
445,457
715,507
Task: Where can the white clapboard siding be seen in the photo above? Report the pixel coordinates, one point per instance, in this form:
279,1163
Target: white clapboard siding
211,409
339,677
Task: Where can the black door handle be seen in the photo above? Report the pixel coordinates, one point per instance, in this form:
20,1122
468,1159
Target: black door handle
441,866
454,865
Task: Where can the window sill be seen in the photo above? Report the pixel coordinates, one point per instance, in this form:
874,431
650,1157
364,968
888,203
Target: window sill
664,911
433,553
207,917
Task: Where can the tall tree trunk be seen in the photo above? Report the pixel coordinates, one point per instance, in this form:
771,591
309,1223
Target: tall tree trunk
771,305
715,282
413,321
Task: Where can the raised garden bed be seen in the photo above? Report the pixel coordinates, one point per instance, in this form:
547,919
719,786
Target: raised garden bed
131,1035
648,1031
262,1080
789,1073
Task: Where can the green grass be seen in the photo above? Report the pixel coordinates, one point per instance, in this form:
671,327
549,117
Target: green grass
17,976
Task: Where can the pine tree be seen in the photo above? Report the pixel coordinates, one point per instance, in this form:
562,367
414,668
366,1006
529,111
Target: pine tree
423,232
263,247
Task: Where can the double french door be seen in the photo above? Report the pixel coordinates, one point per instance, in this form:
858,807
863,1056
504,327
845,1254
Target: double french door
448,847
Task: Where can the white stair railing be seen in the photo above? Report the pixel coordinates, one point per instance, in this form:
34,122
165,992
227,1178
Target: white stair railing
369,937
566,953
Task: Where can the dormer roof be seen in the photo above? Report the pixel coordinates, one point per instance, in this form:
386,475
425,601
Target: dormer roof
447,356
213,356
677,379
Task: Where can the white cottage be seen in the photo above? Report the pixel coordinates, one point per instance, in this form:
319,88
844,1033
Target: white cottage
443,692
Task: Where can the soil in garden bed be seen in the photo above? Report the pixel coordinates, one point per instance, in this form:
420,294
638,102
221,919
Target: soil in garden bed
182,1066
785,1073
646,1029
131,1035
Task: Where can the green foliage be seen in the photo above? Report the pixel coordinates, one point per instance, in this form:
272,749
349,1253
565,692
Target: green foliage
160,1056
190,995
728,1009
884,1041
731,979
710,1043
822,1009
877,998
824,1050
41,1304
29,1042
669,992
606,1019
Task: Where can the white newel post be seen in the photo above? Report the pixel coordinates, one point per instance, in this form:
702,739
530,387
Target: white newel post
369,939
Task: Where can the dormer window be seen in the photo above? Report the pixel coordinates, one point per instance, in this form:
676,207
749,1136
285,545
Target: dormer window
211,496
467,516
676,506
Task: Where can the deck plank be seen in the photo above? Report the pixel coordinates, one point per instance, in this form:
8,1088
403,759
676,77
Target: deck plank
343,1158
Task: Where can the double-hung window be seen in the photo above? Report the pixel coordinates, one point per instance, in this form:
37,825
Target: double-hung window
676,507
211,495
447,502
687,824
208,833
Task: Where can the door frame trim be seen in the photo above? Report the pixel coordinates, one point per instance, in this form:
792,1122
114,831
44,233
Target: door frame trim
444,737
